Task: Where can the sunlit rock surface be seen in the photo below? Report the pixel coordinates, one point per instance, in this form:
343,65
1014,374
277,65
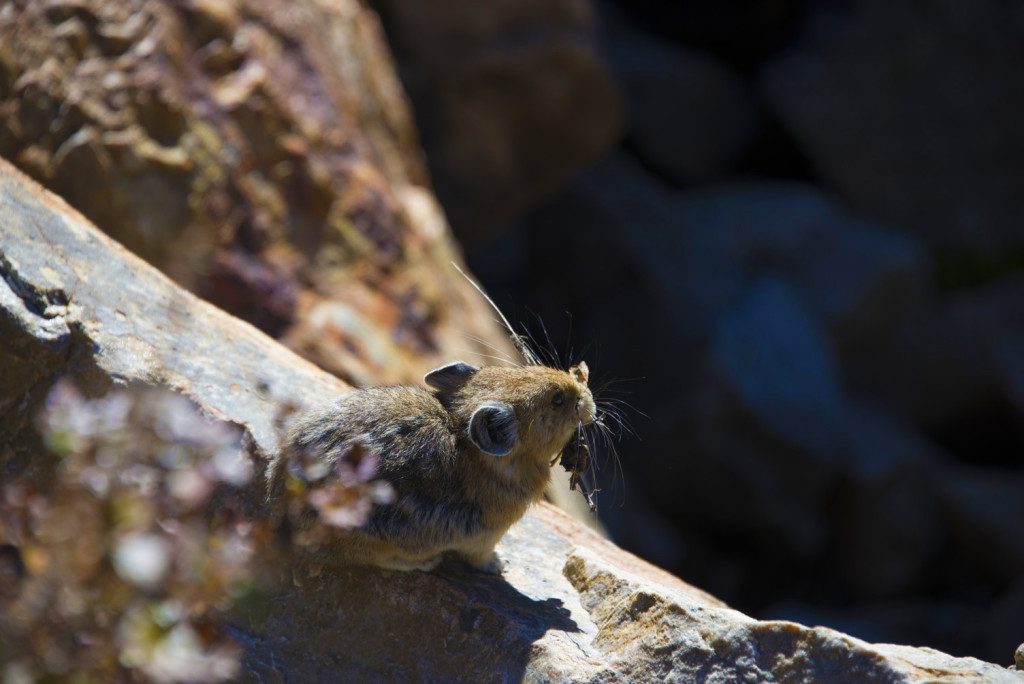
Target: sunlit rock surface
570,605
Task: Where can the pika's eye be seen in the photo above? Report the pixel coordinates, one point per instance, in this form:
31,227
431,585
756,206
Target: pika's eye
558,399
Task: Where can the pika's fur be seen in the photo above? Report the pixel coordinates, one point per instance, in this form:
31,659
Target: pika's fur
465,460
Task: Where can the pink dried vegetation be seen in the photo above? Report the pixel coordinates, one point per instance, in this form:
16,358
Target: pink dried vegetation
120,568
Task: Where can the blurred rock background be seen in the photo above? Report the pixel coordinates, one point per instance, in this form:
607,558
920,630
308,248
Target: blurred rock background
792,232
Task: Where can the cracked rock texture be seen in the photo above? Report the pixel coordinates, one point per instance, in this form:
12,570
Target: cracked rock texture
261,154
76,303
570,606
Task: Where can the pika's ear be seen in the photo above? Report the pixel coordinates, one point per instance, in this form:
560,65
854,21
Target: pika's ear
493,428
450,377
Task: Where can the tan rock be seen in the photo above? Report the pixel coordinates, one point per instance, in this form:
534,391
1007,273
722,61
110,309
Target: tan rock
570,607
260,153
77,303
653,632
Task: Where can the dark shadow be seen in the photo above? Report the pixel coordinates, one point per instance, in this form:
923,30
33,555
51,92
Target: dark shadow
531,616
367,624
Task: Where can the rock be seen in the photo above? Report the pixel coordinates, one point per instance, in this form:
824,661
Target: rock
908,108
984,508
76,303
1010,360
611,617
772,431
775,360
646,629
959,354
1018,657
570,606
775,356
456,624
771,365
512,98
703,246
743,34
773,292
690,116
262,155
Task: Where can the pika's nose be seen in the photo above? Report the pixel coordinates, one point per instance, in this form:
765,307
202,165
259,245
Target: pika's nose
585,408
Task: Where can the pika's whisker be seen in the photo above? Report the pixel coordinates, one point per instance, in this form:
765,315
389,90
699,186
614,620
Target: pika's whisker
583,352
611,410
552,353
615,381
518,340
568,341
493,347
602,432
488,356
624,404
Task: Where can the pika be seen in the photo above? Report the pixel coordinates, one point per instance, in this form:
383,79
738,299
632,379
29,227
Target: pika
465,458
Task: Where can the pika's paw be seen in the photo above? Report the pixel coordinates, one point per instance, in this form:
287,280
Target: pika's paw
492,564
405,565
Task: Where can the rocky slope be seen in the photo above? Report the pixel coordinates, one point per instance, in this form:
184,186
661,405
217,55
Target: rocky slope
261,154
570,606
828,427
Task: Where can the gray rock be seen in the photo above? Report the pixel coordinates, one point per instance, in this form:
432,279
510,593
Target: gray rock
985,508
960,353
570,606
777,290
910,109
774,354
776,370
77,303
777,362
648,629
690,116
704,247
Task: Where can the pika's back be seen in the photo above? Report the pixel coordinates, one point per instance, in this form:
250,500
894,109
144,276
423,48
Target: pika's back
402,425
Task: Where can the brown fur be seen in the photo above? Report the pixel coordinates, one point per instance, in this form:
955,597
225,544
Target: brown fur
451,496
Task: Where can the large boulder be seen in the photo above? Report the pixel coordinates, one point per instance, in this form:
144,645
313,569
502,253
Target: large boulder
78,304
570,606
909,108
963,353
512,98
690,116
261,154
705,246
